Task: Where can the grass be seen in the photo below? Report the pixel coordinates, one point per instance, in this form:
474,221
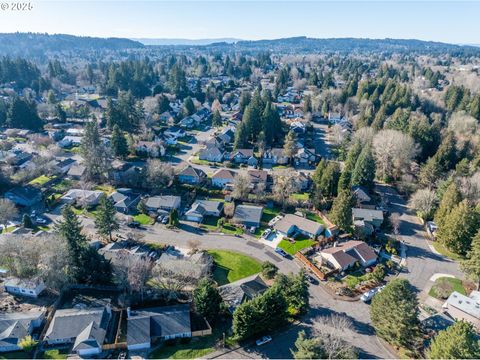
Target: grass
41,180
54,354
292,248
143,219
107,189
232,266
63,186
210,224
300,196
354,279
8,229
445,252
314,217
447,283
269,214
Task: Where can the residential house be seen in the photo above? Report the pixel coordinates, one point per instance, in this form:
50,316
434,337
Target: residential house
24,195
191,175
361,196
222,177
148,326
70,141
167,117
76,172
258,178
150,148
202,208
125,200
215,142
212,154
174,132
227,135
345,255
241,156
84,198
85,328
462,307
16,326
236,293
367,220
117,252
165,203
291,225
303,180
65,165
31,288
305,157
248,215
275,156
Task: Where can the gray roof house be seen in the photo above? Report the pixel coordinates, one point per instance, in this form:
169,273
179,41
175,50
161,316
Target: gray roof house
83,197
367,220
222,177
15,326
201,208
24,196
145,326
291,225
31,288
191,175
124,200
165,202
212,154
85,328
241,155
462,307
237,292
248,215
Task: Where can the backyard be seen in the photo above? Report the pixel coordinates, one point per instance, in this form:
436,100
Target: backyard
296,246
444,286
232,266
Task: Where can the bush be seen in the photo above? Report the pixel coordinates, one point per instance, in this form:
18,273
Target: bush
269,270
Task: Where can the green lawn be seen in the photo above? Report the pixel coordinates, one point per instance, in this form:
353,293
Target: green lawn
445,252
300,196
269,214
143,219
314,217
107,189
197,348
292,248
444,286
231,266
8,229
41,180
54,354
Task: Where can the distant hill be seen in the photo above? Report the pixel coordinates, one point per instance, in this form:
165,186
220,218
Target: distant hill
34,44
149,41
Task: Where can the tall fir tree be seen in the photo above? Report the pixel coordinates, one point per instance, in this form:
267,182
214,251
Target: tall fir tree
458,341
341,213
105,219
364,172
118,143
471,265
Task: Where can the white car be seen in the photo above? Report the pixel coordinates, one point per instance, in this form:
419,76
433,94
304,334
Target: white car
263,340
367,296
40,220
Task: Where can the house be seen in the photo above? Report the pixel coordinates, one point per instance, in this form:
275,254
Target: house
258,177
191,175
361,195
345,255
252,161
215,142
466,308
202,208
85,328
150,148
303,180
212,154
237,292
167,117
305,157
16,326
222,177
174,132
367,220
227,135
84,198
291,225
24,195
166,203
117,252
65,165
124,200
76,172
147,326
275,156
241,156
69,141
31,288
248,215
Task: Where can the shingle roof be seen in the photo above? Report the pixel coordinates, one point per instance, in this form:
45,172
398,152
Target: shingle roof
166,201
306,225
224,174
191,171
248,213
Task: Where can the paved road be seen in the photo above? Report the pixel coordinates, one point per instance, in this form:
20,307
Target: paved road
321,141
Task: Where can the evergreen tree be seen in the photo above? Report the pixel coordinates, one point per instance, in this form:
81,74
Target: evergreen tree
471,265
173,218
105,219
22,114
60,113
269,270
163,104
207,299
241,137
458,341
118,143
450,199
394,313
217,119
308,348
94,154
188,107
341,213
295,291
459,227
290,145
27,221
345,180
364,172
271,124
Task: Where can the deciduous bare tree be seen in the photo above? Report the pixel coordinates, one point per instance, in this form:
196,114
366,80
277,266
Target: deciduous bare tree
285,184
8,211
158,175
241,187
423,201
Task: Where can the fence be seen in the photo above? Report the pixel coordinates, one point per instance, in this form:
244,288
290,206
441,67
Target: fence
310,266
120,346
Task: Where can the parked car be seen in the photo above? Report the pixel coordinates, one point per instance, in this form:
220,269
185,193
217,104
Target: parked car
367,296
40,220
281,252
160,218
266,233
165,220
311,279
263,340
134,225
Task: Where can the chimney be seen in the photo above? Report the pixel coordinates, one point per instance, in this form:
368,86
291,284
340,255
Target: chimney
129,312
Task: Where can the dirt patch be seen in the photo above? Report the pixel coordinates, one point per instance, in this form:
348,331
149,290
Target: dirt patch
10,303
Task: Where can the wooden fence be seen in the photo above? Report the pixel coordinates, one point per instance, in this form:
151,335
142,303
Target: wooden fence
310,266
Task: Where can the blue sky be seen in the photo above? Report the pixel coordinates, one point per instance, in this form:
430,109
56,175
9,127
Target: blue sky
448,21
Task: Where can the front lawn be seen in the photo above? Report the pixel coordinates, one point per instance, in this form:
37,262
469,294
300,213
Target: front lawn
444,286
41,180
445,252
292,248
54,354
232,266
300,196
143,219
107,189
197,348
